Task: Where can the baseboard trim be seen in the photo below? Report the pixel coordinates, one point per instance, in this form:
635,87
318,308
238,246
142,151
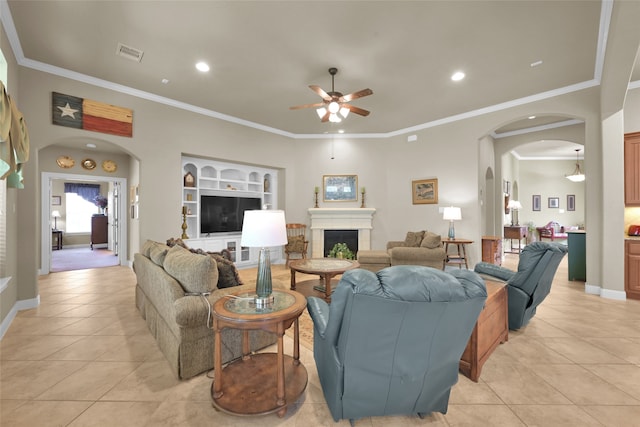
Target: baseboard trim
19,305
605,293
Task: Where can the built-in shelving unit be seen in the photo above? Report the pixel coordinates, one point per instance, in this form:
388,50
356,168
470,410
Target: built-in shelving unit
217,178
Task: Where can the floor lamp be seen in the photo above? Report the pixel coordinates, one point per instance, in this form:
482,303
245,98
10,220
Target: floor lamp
263,229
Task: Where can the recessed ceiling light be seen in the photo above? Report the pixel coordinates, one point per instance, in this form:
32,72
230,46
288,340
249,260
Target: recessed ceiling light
457,76
91,145
341,131
165,81
536,63
202,66
532,117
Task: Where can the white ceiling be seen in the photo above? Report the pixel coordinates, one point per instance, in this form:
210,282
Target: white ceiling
264,54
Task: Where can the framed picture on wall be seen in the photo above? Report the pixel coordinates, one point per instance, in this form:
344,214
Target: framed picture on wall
536,202
571,202
424,191
56,200
554,202
340,188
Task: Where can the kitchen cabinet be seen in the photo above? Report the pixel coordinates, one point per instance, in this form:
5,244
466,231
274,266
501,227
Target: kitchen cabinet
632,268
632,169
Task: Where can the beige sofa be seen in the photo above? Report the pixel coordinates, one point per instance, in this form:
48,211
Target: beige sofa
175,289
418,248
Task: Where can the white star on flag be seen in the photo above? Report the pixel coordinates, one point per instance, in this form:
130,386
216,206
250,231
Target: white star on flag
68,111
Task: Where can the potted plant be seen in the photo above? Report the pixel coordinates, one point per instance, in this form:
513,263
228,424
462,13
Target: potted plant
341,250
531,232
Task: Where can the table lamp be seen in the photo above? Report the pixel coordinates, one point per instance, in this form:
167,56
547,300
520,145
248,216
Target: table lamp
55,214
514,205
452,214
263,229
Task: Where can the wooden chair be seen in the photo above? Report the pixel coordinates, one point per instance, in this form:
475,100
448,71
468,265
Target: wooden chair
297,241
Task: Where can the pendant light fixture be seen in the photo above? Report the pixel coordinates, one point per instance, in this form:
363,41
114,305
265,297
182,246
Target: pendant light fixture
577,175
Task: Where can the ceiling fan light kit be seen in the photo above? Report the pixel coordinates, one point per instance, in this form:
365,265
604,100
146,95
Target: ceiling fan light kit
335,105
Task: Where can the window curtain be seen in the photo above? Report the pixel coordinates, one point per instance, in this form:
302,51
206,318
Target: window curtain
86,191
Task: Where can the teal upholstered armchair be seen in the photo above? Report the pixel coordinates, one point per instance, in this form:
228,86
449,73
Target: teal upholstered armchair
530,285
390,342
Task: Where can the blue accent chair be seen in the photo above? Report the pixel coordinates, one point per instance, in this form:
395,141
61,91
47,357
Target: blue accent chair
390,342
531,284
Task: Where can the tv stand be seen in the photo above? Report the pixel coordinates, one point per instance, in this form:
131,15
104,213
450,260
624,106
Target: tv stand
201,176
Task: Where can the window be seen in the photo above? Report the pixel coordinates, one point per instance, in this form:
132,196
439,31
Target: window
79,213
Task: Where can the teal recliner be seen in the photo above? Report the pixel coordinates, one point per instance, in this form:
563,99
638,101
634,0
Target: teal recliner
531,284
390,342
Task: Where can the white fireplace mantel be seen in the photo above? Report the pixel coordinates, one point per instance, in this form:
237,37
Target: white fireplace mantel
360,219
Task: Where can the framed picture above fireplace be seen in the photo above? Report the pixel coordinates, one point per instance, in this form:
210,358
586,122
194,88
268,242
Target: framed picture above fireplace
340,188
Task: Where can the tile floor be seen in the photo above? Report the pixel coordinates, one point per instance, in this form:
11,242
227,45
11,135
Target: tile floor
85,358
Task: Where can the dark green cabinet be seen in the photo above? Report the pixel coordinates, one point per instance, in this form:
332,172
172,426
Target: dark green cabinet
577,255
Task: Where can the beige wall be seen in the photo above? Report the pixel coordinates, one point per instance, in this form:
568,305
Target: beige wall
458,154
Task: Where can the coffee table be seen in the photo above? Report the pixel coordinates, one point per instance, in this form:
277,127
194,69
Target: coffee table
326,268
246,386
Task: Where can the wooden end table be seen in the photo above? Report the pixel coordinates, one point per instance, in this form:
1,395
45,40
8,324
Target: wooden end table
326,268
491,330
246,386
461,256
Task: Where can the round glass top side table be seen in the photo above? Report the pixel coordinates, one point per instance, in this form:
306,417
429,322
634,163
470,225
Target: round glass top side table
246,386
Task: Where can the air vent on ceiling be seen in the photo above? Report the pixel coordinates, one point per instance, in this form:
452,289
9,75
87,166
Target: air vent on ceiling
129,52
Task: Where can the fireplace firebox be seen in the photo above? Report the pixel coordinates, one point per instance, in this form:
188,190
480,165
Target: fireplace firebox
331,237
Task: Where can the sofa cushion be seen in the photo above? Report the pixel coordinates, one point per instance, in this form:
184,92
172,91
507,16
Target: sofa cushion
227,272
194,272
158,252
431,240
413,238
146,248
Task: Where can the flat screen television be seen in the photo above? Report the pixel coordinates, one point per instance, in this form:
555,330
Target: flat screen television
223,214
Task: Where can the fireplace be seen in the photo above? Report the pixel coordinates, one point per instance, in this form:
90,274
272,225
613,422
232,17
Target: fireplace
331,237
358,220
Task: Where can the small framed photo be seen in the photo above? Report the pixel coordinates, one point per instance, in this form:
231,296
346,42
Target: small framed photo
56,200
554,202
424,191
340,188
571,202
536,203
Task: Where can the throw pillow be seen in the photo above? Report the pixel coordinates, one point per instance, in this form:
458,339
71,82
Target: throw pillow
194,272
295,244
413,239
158,253
431,240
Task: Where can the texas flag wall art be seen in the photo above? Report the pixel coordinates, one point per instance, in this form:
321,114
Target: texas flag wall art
79,113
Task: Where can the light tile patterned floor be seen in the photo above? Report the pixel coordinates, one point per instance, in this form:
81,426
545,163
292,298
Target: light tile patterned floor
85,358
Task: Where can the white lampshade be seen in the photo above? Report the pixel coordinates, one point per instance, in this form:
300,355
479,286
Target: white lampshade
56,214
344,111
452,214
514,204
261,229
321,112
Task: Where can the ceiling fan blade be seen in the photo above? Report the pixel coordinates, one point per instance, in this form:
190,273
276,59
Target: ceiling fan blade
356,110
297,107
325,118
356,95
321,92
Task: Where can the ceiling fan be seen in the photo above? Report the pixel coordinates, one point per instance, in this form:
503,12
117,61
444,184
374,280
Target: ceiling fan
334,104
